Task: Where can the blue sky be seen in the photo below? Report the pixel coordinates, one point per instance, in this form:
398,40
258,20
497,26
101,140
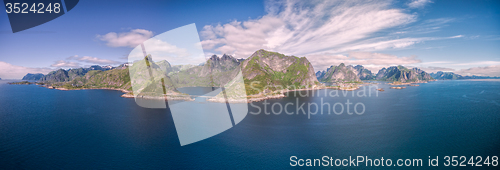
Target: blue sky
458,36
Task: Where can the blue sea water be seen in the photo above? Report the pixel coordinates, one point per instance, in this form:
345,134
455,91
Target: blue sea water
43,128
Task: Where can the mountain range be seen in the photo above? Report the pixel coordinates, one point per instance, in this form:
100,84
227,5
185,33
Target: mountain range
263,71
343,74
453,76
446,76
403,74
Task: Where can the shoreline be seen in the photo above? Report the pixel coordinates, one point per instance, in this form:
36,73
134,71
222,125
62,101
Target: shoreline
249,98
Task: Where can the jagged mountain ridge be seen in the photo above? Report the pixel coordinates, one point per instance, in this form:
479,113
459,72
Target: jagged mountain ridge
269,69
216,71
445,76
341,73
364,74
403,74
62,75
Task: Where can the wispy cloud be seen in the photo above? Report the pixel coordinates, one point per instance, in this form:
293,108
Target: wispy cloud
418,3
126,39
457,36
480,68
302,28
426,26
434,69
92,60
9,71
493,70
483,63
65,64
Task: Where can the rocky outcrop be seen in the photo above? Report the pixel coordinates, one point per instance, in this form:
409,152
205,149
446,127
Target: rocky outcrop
33,77
341,73
403,74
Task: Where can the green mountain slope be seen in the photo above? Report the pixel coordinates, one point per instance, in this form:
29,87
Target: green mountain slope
266,70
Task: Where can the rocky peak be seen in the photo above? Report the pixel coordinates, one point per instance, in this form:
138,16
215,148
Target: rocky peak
363,74
403,74
341,73
214,58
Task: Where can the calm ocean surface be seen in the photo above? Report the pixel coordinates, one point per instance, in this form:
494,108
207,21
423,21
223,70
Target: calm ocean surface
42,128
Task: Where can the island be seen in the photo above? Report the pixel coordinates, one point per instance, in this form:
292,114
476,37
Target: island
263,75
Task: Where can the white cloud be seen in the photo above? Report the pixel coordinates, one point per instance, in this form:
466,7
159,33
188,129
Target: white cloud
93,60
302,28
481,63
161,50
9,71
433,69
457,36
62,63
126,39
418,3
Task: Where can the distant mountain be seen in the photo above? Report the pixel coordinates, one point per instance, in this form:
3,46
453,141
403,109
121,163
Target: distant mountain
271,69
341,73
445,76
321,74
62,75
213,73
402,74
34,77
480,77
364,74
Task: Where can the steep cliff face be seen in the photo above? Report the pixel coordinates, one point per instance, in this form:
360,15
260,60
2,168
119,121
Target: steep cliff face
320,74
364,74
56,76
341,73
403,74
265,70
445,76
34,77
